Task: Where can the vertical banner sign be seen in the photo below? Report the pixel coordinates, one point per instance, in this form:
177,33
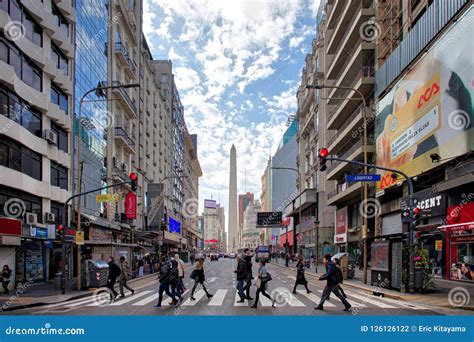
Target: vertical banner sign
341,226
131,205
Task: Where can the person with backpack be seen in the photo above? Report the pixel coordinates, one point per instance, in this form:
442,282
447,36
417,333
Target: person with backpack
124,275
300,277
198,275
114,273
340,277
164,278
262,284
333,279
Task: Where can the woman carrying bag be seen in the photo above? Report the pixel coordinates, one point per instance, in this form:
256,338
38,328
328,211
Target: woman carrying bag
198,275
300,278
262,280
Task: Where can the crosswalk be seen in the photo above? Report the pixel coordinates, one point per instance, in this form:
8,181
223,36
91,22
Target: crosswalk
230,297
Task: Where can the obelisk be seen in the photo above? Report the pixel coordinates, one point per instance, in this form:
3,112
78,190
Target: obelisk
232,241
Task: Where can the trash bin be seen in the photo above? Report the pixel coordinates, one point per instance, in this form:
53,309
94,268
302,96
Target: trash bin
96,273
57,281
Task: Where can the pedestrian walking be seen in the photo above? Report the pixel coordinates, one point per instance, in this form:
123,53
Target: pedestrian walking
6,275
198,275
300,277
124,276
337,262
114,273
164,278
287,259
192,258
332,285
262,284
174,281
241,272
150,264
141,266
180,287
248,267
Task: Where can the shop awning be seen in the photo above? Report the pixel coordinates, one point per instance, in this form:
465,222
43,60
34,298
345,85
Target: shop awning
458,226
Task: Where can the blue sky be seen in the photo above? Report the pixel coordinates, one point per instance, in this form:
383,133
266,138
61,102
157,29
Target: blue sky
237,66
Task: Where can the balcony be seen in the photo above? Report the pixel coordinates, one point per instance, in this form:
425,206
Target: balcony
349,24
354,152
121,52
308,198
120,174
339,110
354,125
124,97
122,135
344,192
334,13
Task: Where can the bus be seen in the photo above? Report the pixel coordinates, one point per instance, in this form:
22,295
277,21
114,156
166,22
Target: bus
262,253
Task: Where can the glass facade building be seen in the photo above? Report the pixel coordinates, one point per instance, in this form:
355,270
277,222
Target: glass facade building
91,68
178,152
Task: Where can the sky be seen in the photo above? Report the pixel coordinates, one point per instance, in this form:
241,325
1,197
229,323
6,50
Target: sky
237,66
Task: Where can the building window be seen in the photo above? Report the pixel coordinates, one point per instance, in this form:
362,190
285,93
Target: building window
26,71
59,175
59,59
62,137
164,78
57,210
60,20
20,158
32,204
17,12
17,110
59,97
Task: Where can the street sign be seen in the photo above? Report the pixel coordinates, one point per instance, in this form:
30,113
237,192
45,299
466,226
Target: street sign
438,245
79,237
131,205
270,219
104,198
363,178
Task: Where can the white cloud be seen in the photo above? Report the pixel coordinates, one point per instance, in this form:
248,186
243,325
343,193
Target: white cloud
296,41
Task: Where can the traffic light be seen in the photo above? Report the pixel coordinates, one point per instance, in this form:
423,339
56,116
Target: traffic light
323,154
59,232
415,216
133,181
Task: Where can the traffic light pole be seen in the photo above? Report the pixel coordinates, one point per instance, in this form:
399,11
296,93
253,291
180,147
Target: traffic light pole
411,281
63,239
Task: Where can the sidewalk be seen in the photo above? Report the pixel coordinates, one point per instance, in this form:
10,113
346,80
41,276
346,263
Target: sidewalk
437,298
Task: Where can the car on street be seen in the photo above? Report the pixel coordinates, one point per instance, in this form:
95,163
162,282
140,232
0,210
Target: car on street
214,256
232,255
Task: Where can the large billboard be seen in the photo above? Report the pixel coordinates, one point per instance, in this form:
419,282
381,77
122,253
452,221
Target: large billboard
210,204
429,113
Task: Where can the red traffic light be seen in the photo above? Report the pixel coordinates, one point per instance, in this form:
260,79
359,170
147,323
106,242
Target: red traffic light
323,152
416,211
133,177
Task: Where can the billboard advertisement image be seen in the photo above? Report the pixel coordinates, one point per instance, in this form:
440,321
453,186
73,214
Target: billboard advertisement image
430,110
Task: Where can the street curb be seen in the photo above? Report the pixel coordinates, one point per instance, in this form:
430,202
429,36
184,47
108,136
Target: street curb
360,287
84,295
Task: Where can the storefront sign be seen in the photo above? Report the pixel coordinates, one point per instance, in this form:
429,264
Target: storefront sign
131,205
41,233
79,237
104,198
10,226
422,115
431,204
341,226
438,245
8,240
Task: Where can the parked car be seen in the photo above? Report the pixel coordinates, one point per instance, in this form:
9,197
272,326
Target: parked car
226,255
221,255
232,255
214,256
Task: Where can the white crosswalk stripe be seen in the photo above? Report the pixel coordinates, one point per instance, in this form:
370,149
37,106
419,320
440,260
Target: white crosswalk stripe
237,298
147,300
130,298
315,299
218,298
198,295
366,299
265,301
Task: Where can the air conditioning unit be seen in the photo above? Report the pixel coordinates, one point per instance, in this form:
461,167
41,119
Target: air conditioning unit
49,217
31,219
50,137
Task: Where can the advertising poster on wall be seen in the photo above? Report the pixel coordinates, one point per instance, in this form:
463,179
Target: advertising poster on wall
341,226
430,110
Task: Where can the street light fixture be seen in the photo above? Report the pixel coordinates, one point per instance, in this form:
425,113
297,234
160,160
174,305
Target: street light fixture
299,209
364,185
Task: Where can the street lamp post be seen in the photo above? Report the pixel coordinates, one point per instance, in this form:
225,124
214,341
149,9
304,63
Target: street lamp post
100,92
364,185
299,209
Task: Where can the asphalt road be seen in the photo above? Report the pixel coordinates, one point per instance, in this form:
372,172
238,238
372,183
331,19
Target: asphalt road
220,280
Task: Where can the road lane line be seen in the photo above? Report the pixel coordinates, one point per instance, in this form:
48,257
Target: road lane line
218,298
198,295
363,300
84,299
130,298
265,301
315,299
104,296
366,299
147,300
295,302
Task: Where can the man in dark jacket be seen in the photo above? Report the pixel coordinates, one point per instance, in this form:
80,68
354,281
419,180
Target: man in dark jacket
241,272
248,268
114,273
165,277
332,285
